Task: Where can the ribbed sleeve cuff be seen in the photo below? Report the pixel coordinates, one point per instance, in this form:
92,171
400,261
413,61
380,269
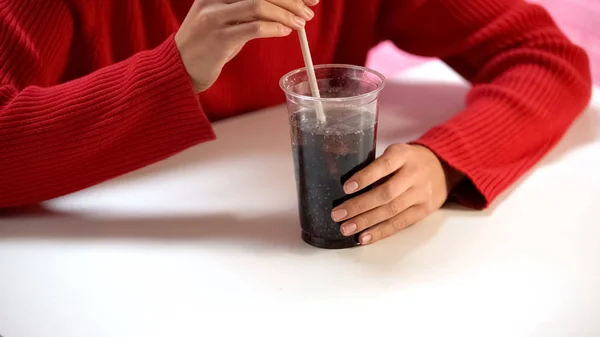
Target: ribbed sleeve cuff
478,190
171,93
61,139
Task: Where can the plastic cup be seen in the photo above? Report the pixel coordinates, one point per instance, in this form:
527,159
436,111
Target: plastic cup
327,153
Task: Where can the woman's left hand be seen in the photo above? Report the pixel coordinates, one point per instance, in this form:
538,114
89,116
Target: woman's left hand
416,183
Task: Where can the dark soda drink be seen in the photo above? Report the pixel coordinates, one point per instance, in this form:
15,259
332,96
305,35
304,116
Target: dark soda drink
330,149
326,155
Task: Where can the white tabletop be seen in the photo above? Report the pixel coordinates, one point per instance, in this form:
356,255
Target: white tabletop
207,243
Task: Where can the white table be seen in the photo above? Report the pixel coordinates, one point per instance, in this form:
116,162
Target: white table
207,244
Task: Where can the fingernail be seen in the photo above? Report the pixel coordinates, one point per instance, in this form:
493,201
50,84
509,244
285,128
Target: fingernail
351,187
313,2
339,214
300,22
349,229
365,239
287,30
308,13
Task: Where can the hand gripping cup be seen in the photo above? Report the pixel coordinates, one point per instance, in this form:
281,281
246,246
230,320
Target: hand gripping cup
327,151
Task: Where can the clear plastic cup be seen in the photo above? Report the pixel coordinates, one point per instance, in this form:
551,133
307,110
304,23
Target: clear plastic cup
327,153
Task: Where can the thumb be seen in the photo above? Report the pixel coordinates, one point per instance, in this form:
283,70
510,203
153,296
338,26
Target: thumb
233,53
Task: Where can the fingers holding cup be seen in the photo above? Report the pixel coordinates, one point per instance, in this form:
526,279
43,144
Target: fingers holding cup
390,161
393,225
382,213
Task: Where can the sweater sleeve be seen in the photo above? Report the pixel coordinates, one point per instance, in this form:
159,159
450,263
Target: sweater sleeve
529,84
59,138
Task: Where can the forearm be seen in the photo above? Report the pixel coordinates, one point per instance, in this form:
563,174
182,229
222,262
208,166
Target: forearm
530,83
63,138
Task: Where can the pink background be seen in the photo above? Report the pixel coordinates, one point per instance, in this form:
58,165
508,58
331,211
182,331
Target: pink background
580,19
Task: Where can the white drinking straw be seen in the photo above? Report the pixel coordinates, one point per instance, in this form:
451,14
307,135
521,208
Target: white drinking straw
312,78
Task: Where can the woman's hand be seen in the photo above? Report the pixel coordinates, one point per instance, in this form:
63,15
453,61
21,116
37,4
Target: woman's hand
416,183
214,31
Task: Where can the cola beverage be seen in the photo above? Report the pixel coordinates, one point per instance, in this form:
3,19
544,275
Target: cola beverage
326,155
333,137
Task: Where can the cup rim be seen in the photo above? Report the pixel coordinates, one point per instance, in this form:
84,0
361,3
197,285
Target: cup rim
333,99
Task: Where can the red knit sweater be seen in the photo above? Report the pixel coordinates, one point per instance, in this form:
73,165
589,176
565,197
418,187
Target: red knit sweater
92,89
